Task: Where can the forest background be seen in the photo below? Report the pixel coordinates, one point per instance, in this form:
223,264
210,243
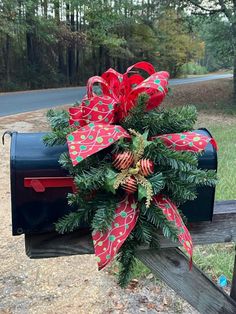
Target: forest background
55,43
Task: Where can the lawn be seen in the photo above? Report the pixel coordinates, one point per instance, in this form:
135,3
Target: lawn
219,117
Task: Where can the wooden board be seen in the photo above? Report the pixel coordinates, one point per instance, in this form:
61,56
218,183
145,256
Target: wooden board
221,229
194,286
169,263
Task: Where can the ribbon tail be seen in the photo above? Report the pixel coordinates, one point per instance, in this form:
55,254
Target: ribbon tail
171,212
186,141
106,245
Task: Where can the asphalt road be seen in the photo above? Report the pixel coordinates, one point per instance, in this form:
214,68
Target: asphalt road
18,102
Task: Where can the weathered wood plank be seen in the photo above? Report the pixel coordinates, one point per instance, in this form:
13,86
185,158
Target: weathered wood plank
194,286
233,286
54,245
221,229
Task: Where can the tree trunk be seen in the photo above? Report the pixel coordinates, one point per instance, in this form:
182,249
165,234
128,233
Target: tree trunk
7,59
234,47
234,78
71,50
61,65
45,8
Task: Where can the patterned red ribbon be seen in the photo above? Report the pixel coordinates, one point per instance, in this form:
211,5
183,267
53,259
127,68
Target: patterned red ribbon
170,210
186,141
94,120
107,244
119,95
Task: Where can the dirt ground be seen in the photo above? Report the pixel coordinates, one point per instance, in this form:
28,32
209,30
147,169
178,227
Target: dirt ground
65,284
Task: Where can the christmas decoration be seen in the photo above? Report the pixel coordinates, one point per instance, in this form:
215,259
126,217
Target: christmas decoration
123,160
130,185
133,163
146,167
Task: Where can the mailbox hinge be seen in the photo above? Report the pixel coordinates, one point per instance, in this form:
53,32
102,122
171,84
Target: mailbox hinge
39,184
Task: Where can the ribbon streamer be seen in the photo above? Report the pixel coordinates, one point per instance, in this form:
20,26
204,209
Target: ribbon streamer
107,244
186,141
170,210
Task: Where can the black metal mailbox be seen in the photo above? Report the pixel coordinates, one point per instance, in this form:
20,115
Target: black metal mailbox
201,209
34,210
37,204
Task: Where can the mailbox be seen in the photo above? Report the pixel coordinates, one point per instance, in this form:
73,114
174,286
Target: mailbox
39,186
36,204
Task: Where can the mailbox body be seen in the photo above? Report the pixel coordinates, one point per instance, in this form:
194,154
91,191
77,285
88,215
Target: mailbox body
36,212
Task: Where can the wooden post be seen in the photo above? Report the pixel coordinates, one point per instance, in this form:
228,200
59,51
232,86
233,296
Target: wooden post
233,286
169,263
194,286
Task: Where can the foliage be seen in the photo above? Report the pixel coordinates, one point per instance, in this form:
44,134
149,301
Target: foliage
224,23
193,68
61,43
176,44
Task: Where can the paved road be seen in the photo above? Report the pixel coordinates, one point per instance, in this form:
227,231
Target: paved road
17,102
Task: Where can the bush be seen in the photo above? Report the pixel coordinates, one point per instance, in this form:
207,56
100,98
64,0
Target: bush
193,68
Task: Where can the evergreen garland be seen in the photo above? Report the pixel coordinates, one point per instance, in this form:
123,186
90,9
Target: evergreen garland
176,174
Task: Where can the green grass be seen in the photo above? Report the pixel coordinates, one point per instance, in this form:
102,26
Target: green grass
219,108
217,259
225,135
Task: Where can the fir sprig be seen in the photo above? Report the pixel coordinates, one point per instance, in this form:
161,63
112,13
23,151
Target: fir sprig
104,215
157,181
70,222
127,260
168,158
155,216
160,121
58,119
93,178
57,137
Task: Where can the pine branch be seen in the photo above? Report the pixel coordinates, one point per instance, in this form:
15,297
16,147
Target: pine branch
176,120
70,222
168,158
66,163
135,114
200,177
57,137
86,164
181,186
180,192
58,119
127,260
143,231
157,182
104,215
92,179
155,216
162,121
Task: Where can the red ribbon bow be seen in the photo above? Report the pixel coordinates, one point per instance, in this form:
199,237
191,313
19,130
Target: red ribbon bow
94,120
95,116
